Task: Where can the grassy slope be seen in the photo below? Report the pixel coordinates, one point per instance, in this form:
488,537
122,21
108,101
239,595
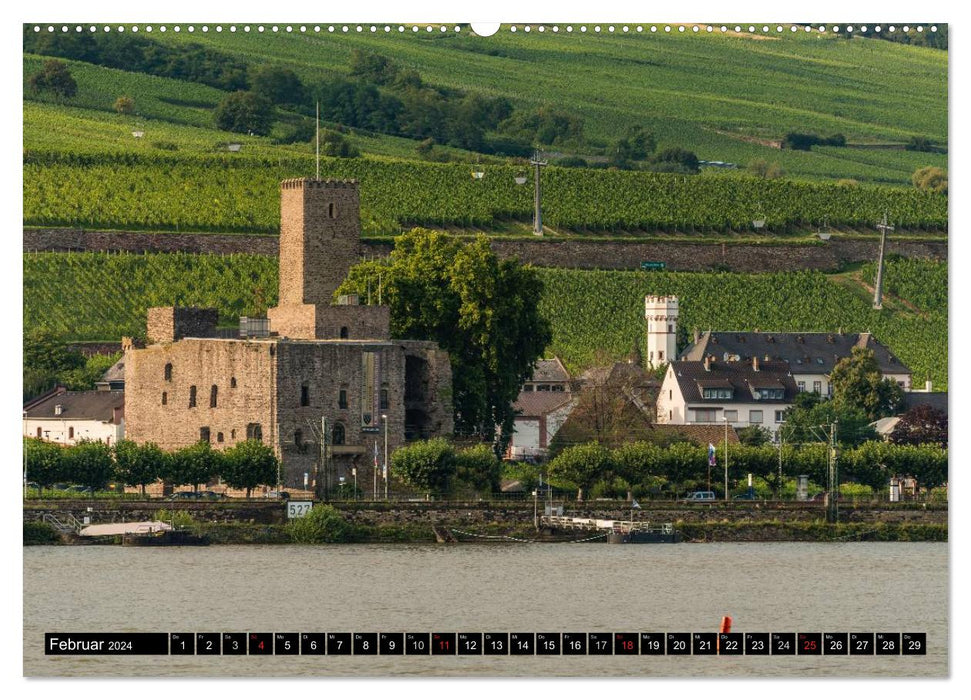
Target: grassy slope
597,316
685,88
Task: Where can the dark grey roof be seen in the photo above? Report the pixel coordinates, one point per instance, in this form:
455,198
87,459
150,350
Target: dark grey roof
742,377
78,405
115,373
934,399
807,353
550,371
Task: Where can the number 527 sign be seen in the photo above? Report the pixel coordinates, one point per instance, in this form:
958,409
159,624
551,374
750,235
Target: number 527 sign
298,509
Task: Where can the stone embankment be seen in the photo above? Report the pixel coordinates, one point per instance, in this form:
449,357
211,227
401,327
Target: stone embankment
586,254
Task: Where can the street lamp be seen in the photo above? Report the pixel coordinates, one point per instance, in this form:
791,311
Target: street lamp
725,418
384,419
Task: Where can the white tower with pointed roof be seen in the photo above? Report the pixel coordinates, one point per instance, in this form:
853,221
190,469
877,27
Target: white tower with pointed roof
661,313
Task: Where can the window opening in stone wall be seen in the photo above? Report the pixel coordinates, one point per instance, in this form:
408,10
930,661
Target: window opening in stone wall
254,431
332,210
384,397
232,382
344,333
305,394
219,437
168,372
165,398
204,434
232,434
298,440
213,396
338,434
342,398
192,396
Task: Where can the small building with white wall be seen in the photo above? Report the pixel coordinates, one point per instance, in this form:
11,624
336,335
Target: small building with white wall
753,393
68,417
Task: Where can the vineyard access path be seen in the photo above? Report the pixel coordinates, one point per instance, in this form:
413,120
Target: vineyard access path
678,256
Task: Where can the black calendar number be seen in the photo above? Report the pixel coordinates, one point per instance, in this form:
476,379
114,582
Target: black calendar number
731,644
391,644
208,644
861,643
522,643
600,644
783,643
626,643
495,643
470,643
365,644
575,643
313,644
678,644
913,643
809,643
704,643
835,643
548,643
339,644
652,643
286,643
887,644
182,643
260,643
234,644
418,643
757,644
443,643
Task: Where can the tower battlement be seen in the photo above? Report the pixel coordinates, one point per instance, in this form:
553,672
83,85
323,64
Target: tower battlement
310,183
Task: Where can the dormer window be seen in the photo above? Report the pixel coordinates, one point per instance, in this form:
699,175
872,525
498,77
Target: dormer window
716,393
770,394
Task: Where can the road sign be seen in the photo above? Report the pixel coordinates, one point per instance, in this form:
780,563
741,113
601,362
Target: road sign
653,265
298,509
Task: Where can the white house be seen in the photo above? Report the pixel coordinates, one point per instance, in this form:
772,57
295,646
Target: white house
811,356
756,392
67,417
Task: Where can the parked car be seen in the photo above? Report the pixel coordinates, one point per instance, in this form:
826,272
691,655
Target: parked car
211,495
80,489
746,496
184,496
700,497
283,495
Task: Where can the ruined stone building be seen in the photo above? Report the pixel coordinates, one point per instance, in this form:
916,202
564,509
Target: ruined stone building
320,364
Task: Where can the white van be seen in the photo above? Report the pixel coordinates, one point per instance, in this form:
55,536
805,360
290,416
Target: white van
700,497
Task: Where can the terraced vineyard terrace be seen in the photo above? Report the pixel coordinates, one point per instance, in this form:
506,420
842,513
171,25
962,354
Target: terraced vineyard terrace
597,316
226,193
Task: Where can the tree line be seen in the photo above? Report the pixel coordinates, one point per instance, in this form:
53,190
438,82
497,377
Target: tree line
95,464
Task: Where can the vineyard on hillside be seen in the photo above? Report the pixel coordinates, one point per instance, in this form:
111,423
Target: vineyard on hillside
921,282
597,316
225,193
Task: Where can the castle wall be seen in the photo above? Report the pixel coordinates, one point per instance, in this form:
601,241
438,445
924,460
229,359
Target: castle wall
327,368
170,323
203,364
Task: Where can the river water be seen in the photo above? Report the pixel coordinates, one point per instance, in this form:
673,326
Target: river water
765,587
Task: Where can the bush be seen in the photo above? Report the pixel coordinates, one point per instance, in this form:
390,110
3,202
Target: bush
572,162
125,105
165,145
179,519
245,112
428,465
40,533
54,77
323,524
930,179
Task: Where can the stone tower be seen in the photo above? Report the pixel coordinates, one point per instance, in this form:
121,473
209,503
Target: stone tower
661,313
320,239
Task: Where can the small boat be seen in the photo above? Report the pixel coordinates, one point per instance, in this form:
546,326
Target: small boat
644,535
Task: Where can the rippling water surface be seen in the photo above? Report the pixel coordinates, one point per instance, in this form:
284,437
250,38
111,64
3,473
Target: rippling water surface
766,587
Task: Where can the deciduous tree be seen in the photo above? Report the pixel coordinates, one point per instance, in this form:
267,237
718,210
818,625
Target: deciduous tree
249,464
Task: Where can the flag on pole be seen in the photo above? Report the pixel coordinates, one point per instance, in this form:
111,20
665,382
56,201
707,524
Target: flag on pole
635,504
711,455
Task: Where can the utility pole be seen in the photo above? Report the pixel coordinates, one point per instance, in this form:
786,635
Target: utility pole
537,163
878,286
832,510
317,130
323,457
726,460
